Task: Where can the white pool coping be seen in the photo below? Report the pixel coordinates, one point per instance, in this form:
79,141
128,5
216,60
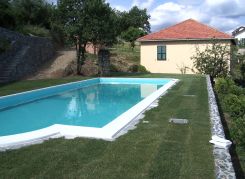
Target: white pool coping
106,133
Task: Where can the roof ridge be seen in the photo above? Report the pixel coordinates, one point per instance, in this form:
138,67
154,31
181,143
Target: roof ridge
213,28
179,23
167,28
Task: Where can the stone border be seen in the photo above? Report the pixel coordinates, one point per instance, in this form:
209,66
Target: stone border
222,158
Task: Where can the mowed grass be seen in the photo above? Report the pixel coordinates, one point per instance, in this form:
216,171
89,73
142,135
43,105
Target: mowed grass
156,149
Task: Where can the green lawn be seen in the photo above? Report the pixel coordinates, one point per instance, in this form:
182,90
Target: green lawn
157,149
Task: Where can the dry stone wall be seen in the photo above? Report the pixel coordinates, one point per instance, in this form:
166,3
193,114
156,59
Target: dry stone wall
24,57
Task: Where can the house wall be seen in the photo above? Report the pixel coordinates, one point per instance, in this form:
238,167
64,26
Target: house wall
240,36
178,55
92,49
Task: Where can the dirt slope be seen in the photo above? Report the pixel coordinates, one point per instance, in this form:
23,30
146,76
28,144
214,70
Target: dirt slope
57,66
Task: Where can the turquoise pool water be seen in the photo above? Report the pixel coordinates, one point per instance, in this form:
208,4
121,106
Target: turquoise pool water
94,105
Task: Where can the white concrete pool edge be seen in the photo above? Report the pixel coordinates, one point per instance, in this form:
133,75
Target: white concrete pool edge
106,133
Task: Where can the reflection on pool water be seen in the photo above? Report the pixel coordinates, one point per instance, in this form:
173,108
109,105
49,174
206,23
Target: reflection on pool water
91,106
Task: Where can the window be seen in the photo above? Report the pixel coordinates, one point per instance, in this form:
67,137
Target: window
241,42
161,52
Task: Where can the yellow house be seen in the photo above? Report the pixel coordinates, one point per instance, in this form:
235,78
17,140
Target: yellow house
170,50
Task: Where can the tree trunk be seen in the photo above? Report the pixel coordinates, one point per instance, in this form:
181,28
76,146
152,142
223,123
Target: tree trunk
78,48
83,50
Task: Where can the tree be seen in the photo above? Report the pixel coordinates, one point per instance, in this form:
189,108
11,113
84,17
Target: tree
7,18
32,12
87,21
137,18
213,60
132,34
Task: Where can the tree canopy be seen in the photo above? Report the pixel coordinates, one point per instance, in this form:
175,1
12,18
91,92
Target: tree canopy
88,21
7,18
32,12
213,60
135,17
132,34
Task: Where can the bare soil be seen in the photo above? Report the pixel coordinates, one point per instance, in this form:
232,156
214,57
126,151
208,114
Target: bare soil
56,67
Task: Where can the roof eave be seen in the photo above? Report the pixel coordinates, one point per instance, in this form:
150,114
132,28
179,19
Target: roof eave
160,40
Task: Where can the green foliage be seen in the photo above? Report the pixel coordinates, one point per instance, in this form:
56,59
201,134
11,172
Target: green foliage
238,131
113,68
34,30
7,18
27,16
234,105
132,34
90,20
138,69
32,12
225,86
213,60
135,17
232,99
87,21
4,45
242,69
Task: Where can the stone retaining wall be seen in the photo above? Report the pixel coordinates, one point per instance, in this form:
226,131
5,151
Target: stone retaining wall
25,56
222,158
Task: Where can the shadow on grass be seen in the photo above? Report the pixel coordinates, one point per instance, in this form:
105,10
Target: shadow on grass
233,150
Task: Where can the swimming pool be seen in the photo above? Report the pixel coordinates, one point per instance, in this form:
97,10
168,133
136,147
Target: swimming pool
97,108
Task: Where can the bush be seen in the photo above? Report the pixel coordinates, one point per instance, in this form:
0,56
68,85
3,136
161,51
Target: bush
58,34
138,69
113,68
227,85
238,132
34,30
232,100
213,60
223,85
234,105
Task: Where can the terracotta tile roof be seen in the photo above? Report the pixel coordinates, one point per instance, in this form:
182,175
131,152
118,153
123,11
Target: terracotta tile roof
189,29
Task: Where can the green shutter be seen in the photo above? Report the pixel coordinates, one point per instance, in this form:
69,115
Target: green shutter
161,52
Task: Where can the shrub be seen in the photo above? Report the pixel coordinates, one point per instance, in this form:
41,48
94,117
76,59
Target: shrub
234,105
213,60
113,68
238,132
34,30
232,100
138,69
58,34
223,85
227,85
